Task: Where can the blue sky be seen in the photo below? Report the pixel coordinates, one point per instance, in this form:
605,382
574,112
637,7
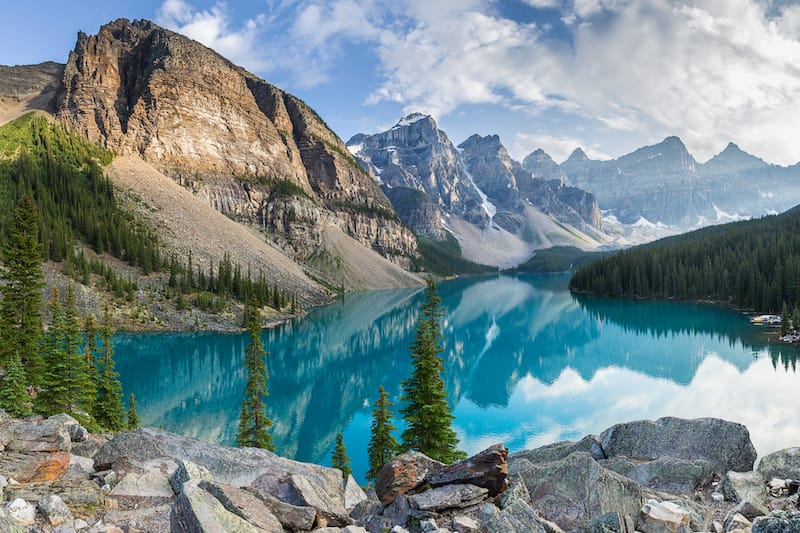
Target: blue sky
606,75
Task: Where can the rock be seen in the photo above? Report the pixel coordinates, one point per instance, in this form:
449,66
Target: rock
781,464
717,497
354,529
735,521
399,529
516,518
77,433
292,517
55,510
140,490
571,491
197,511
7,524
607,523
750,510
398,512
84,464
428,525
669,474
404,475
81,495
34,467
726,445
778,522
188,471
329,509
366,510
663,517
465,524
448,497
39,438
353,494
146,519
238,467
243,504
21,511
487,469
80,524
738,486
516,491
560,450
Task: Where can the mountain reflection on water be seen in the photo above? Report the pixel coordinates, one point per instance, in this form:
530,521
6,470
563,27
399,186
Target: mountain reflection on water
527,363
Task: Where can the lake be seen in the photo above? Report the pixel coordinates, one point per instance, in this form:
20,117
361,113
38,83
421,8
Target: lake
527,364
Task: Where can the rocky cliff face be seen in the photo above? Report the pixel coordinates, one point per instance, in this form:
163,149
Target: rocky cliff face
254,152
664,184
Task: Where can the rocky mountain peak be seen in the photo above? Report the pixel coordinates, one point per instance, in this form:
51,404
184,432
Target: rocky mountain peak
414,118
734,158
541,165
577,156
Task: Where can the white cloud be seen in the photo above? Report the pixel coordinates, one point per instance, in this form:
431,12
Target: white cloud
213,27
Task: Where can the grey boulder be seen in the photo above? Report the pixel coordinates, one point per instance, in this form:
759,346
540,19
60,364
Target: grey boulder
783,464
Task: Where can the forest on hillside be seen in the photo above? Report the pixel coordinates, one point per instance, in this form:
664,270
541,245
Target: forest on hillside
751,264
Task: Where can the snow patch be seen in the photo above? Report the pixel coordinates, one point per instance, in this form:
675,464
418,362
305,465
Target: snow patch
355,149
644,223
410,119
488,206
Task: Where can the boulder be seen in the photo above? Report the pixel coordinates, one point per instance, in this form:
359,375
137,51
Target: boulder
782,464
726,445
734,521
353,494
39,438
515,491
21,511
140,490
404,474
516,518
77,433
560,450
238,467
739,486
84,464
448,497
330,511
571,491
778,522
34,467
292,517
750,510
396,513
197,511
81,495
365,510
663,517
465,524
608,523
135,520
487,469
7,524
669,474
55,510
243,504
188,471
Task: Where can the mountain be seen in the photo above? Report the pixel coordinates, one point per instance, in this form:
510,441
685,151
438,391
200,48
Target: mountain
253,152
753,264
664,185
475,192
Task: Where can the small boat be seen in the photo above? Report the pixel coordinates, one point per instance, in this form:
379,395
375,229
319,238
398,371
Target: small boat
766,319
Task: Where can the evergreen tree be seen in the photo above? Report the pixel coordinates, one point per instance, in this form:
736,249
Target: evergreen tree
427,415
339,459
785,318
253,420
133,418
13,397
90,346
382,444
21,307
108,409
52,399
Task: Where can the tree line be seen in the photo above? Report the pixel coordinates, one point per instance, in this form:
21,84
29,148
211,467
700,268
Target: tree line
751,265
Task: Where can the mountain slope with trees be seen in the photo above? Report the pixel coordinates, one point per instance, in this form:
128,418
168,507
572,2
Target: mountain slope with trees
752,264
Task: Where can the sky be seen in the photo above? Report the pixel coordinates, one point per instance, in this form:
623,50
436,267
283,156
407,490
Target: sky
605,75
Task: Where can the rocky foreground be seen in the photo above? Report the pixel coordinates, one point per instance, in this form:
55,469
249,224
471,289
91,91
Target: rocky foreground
671,475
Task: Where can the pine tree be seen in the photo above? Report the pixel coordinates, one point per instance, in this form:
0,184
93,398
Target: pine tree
21,307
427,415
52,399
382,444
89,354
785,318
253,421
108,409
13,397
133,418
339,459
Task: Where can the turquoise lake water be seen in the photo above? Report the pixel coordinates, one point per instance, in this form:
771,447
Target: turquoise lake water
527,364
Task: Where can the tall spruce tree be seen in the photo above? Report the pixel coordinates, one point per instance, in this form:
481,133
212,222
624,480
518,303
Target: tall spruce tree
254,423
427,415
339,459
108,409
21,307
133,418
14,398
382,444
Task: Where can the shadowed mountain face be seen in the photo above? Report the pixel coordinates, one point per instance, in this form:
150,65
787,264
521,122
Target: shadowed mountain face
664,184
478,183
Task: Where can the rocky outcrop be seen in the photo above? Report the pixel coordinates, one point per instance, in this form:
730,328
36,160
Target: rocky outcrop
256,153
783,464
